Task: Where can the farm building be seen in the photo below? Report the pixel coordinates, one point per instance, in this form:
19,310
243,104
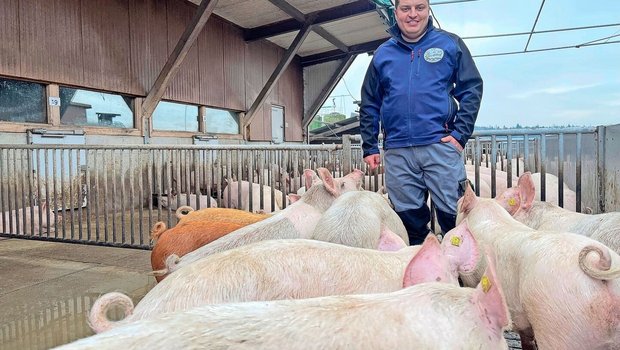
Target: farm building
115,113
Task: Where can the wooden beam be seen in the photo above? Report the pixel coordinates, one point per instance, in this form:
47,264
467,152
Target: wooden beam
53,112
334,55
345,63
299,16
176,57
335,131
277,73
321,17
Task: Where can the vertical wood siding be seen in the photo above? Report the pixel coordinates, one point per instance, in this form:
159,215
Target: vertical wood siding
51,40
9,37
122,45
149,42
106,48
211,48
185,85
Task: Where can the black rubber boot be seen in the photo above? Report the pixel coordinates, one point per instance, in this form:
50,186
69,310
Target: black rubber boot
445,220
416,223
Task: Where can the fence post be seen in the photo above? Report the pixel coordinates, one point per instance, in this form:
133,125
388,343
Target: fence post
346,154
600,167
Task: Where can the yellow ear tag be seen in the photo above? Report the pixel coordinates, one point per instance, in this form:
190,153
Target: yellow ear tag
486,284
456,241
512,202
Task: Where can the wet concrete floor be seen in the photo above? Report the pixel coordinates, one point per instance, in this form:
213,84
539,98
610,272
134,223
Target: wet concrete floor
47,288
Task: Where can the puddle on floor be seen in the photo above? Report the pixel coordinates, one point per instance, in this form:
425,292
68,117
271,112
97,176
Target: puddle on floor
35,326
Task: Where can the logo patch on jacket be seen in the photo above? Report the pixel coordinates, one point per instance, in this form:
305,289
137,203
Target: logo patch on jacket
433,55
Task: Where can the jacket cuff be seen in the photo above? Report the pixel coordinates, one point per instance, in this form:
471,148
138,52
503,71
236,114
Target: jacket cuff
370,152
457,135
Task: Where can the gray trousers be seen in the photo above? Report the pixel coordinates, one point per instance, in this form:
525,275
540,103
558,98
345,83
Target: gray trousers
411,172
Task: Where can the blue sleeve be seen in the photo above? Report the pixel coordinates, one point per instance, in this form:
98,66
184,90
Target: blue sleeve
370,108
468,91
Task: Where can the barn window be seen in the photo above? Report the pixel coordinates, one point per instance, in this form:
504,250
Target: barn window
95,108
22,101
221,121
175,117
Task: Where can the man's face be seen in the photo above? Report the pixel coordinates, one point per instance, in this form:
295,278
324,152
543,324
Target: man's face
412,18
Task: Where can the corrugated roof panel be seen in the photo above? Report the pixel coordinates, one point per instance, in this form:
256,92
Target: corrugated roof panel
359,29
313,43
250,13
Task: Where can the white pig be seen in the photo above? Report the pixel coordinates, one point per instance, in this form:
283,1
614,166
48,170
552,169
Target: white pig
424,316
358,219
519,202
296,221
15,220
233,188
171,201
286,269
563,287
551,192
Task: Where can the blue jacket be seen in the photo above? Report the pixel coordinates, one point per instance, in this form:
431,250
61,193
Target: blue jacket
410,91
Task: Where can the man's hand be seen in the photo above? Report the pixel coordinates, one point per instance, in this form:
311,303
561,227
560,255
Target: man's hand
452,140
373,161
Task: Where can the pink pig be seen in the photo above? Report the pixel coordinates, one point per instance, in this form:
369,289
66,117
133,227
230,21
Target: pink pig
563,289
424,316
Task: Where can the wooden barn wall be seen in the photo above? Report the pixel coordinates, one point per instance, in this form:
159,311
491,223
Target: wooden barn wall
148,41
9,30
121,46
185,85
107,62
50,37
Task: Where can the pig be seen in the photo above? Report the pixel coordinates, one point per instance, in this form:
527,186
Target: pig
190,234
15,220
296,221
519,202
563,288
285,269
233,202
171,201
358,219
501,179
552,194
187,214
428,315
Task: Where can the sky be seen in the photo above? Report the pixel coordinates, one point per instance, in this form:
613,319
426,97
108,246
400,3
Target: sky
552,88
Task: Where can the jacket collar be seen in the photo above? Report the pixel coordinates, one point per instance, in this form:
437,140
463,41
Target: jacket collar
396,34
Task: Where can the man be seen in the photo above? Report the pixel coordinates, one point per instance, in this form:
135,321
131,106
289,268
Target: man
411,91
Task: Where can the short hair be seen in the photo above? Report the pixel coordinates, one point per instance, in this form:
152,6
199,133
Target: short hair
428,2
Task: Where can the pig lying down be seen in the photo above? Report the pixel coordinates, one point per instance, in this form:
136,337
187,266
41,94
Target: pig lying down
359,219
424,316
15,220
295,221
291,269
519,202
563,287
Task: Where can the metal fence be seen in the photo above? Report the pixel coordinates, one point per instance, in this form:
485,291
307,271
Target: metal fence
114,195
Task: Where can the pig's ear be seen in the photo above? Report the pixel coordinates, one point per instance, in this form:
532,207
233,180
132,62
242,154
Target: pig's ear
328,181
309,178
183,211
527,190
461,248
468,202
157,230
390,241
490,296
510,200
426,265
293,197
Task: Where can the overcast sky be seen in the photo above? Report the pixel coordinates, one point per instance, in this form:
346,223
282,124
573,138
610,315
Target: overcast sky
551,88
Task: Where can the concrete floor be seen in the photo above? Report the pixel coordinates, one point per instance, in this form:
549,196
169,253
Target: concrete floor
47,288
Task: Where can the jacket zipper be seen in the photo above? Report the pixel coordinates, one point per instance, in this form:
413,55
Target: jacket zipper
417,73
410,95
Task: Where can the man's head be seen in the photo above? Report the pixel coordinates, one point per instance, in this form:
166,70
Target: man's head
412,17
